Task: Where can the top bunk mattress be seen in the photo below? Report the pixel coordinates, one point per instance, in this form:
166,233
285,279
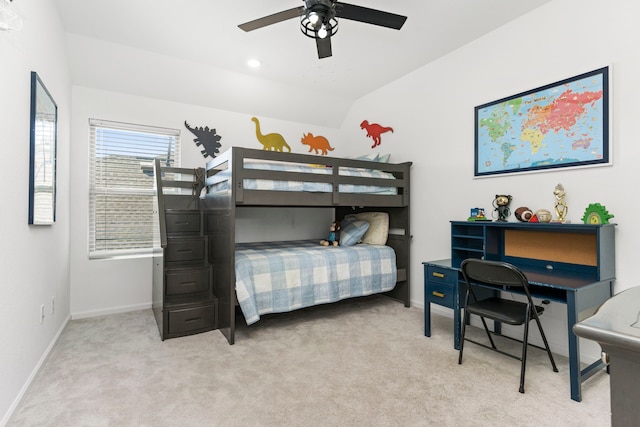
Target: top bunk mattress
222,180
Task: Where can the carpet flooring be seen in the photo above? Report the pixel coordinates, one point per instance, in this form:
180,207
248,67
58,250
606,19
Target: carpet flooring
362,362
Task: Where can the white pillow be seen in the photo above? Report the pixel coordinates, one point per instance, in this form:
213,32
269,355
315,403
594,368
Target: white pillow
378,227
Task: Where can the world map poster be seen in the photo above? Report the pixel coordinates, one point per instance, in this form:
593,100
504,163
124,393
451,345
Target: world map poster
564,124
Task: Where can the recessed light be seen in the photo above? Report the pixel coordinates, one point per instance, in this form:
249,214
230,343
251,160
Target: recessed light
254,63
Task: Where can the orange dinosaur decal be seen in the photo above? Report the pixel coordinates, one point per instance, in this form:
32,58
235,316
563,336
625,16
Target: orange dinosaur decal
316,143
374,131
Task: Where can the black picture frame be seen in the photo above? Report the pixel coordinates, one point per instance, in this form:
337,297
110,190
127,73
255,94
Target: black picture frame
43,143
559,125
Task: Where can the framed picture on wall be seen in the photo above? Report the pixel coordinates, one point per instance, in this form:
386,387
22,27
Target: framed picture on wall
563,124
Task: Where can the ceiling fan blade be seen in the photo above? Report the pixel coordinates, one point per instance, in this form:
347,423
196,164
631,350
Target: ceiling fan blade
324,47
369,16
272,19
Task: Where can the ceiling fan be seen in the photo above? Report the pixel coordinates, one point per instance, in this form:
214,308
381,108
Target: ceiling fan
318,20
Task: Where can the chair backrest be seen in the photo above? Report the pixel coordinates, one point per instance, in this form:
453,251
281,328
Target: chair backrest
493,273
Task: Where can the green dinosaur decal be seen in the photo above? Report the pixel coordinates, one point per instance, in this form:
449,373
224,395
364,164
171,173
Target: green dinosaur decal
270,141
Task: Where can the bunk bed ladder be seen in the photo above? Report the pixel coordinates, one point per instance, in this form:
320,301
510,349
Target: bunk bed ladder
183,301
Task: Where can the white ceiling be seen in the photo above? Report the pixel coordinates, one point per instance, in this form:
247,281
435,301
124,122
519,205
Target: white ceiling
142,35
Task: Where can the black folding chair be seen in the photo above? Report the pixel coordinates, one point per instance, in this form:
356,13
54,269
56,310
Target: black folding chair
502,276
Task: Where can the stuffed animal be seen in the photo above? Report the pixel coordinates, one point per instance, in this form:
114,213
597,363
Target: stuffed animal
332,239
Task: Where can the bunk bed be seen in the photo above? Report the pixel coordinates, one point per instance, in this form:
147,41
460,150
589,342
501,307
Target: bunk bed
242,177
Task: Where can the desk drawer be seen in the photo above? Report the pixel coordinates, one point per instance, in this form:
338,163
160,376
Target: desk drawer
442,275
440,294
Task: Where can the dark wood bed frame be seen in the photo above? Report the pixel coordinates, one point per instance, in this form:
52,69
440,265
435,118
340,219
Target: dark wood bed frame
219,209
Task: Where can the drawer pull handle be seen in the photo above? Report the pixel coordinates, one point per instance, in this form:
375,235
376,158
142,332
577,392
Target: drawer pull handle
440,275
438,294
187,284
182,223
185,251
193,319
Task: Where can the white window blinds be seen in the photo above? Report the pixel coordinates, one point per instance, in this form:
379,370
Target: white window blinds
121,184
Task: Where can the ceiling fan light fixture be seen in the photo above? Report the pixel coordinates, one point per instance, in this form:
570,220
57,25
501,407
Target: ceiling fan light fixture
319,20
322,29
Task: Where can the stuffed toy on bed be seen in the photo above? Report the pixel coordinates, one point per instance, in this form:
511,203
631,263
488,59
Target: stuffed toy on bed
332,239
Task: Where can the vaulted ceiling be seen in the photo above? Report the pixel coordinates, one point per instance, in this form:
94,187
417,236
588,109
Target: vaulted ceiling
192,51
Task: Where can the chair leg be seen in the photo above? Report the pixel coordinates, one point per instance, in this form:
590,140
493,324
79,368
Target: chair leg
486,329
464,327
546,344
525,344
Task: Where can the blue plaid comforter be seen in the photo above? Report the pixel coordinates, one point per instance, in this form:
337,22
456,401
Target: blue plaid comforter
276,277
221,179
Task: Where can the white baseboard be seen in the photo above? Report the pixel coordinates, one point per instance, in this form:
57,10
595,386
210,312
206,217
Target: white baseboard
116,310
33,374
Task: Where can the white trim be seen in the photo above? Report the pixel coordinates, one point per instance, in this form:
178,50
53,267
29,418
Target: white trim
131,127
116,310
122,254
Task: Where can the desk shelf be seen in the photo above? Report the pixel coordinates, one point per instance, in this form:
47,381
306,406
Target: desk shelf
467,241
572,264
582,249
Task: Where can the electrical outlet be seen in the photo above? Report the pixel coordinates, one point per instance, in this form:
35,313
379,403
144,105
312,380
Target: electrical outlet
41,314
53,305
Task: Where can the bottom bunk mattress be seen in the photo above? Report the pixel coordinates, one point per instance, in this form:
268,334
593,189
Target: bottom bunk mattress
276,277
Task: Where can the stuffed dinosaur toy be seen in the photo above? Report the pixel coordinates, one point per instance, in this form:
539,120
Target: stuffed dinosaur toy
332,239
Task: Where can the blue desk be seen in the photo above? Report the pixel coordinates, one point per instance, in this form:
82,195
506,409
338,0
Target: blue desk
578,295
572,264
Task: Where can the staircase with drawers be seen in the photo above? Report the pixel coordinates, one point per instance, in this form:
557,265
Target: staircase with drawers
183,299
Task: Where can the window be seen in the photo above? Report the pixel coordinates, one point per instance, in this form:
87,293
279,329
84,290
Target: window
122,182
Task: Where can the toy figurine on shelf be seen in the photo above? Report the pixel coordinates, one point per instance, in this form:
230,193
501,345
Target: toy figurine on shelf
477,214
501,205
561,206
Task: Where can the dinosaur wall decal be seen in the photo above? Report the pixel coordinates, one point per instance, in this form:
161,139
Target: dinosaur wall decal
206,137
271,141
317,143
374,131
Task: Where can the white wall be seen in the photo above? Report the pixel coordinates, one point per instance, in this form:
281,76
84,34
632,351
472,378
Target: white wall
35,259
432,112
97,64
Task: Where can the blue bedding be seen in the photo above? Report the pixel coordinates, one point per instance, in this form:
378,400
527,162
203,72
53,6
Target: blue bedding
276,277
221,179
